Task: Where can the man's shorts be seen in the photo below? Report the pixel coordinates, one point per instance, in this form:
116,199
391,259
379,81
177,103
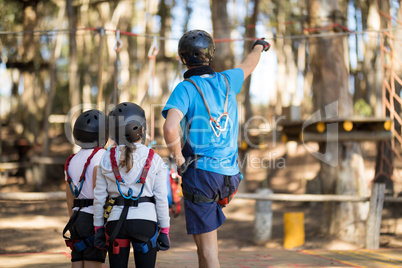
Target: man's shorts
83,228
206,217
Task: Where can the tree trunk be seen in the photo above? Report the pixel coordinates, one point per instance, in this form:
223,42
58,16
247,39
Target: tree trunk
224,57
74,90
53,83
340,173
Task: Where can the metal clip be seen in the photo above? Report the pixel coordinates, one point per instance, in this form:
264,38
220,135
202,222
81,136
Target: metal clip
218,126
119,44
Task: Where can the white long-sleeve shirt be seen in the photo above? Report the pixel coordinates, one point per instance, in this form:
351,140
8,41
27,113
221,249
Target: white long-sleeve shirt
75,169
155,185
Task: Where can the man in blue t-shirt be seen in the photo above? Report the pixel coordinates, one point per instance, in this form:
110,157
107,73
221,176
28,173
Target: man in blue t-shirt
205,107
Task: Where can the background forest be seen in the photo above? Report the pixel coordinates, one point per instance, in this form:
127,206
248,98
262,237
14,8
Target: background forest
59,57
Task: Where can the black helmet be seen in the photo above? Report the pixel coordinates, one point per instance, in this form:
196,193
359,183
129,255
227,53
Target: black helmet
196,47
90,129
127,123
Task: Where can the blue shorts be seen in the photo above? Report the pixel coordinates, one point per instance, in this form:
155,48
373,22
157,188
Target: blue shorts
206,217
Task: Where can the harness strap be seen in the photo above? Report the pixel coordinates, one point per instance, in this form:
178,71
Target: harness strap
120,201
115,168
196,198
69,180
116,230
147,166
81,203
69,224
80,245
128,201
225,113
78,203
138,246
145,170
76,192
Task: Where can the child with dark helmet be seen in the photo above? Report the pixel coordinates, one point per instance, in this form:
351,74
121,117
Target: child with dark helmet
90,133
133,176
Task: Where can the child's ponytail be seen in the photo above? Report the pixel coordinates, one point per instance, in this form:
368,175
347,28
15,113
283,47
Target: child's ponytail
126,157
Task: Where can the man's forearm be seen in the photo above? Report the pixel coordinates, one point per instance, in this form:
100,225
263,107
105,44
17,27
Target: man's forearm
172,140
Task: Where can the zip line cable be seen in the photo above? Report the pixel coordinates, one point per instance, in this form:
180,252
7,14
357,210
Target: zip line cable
300,36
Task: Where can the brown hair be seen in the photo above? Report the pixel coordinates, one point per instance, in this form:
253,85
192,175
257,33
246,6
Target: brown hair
126,158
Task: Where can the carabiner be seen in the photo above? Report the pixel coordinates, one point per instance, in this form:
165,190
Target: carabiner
213,128
119,44
218,126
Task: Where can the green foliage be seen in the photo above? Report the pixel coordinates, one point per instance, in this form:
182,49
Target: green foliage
362,108
10,14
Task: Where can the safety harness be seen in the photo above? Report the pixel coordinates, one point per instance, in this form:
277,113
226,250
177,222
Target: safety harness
130,201
215,123
78,244
76,192
196,198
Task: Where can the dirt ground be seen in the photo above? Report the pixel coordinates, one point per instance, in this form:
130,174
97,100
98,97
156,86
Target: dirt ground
37,226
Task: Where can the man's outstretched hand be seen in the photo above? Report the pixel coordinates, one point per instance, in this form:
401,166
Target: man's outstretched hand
262,42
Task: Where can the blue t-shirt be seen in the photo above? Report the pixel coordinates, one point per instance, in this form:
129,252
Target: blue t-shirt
219,153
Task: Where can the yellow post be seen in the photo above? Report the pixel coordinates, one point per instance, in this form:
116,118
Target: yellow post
293,229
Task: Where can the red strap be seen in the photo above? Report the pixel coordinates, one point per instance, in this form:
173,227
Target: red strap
82,177
147,166
122,242
145,170
66,168
96,149
226,200
115,168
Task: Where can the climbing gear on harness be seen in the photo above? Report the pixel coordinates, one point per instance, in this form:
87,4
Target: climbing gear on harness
78,244
129,201
108,208
76,191
196,47
215,123
90,129
175,182
196,198
128,123
142,246
117,243
262,42
181,170
119,179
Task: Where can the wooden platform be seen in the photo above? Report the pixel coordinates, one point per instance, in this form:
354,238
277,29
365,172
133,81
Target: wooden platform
263,258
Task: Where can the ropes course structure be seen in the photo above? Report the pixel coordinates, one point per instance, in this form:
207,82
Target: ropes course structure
391,100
